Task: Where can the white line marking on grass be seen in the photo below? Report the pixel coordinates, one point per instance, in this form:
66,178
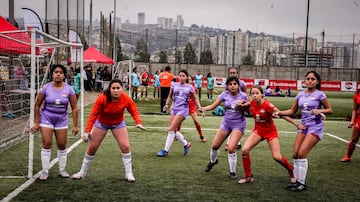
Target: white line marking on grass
32,180
339,138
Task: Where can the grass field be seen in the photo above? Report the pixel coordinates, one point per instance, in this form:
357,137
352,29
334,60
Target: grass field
182,178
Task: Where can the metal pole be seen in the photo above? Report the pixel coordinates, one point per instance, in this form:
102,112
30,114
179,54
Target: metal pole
114,34
306,37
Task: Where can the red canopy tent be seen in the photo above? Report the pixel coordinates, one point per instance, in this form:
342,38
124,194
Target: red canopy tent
9,41
94,55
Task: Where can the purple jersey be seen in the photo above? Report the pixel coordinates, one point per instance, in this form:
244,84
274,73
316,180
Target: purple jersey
308,102
56,101
181,93
231,111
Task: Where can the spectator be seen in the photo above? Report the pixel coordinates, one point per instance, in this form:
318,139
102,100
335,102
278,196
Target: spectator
268,91
165,78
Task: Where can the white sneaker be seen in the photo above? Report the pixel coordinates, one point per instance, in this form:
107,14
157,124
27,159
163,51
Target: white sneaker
44,176
78,176
129,177
64,174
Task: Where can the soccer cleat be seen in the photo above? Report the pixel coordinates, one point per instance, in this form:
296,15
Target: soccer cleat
238,146
187,147
129,177
246,179
64,174
78,176
202,139
44,176
210,165
298,187
233,176
345,158
162,153
226,147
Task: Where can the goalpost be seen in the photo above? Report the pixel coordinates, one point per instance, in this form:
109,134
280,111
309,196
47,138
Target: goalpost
19,100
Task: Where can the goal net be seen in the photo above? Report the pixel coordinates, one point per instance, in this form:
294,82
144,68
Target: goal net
24,69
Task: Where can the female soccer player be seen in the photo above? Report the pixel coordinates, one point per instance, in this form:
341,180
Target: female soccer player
135,82
51,117
193,114
108,114
210,86
313,104
355,121
233,123
180,92
262,110
156,85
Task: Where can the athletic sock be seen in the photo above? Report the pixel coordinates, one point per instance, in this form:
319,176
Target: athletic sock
198,128
351,148
246,161
296,167
45,159
181,138
86,163
169,140
213,155
303,167
127,160
232,162
62,157
285,163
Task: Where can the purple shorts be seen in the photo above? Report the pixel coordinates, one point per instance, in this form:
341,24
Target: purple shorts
229,125
101,126
183,112
316,130
54,121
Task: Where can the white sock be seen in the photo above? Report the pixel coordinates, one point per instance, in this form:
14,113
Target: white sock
45,159
62,157
86,163
232,162
303,166
127,162
296,167
169,140
213,155
181,138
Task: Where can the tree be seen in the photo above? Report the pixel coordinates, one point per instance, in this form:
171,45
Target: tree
206,57
248,60
141,53
163,57
189,54
178,57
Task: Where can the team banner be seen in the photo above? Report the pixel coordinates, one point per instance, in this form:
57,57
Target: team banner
74,50
32,20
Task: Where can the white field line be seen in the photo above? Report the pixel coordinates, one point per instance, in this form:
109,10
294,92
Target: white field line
32,180
54,161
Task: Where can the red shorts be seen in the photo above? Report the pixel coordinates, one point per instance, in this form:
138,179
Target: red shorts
268,135
192,107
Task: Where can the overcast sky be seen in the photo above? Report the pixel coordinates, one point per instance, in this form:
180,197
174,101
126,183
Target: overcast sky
280,17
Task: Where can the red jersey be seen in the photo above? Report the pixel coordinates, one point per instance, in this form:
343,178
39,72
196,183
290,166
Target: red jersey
356,100
145,78
112,113
263,117
192,105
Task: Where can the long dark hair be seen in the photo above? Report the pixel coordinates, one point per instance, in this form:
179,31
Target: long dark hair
186,73
317,76
107,90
